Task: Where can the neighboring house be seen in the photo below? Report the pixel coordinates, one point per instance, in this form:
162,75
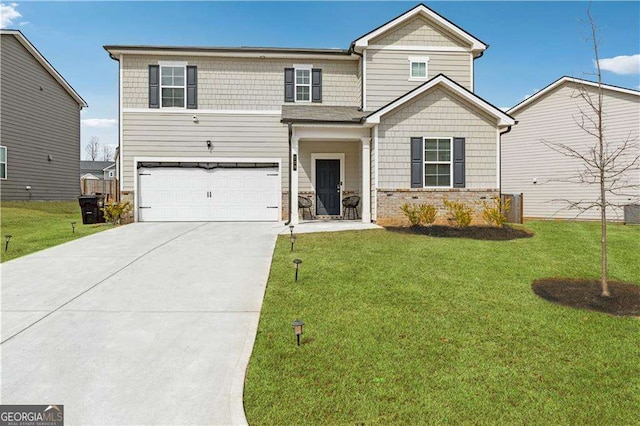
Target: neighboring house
98,170
39,125
238,133
553,114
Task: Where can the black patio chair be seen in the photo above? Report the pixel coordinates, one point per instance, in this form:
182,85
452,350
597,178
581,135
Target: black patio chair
350,205
305,203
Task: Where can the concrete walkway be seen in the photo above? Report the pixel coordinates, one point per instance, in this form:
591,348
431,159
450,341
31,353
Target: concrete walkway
330,226
150,323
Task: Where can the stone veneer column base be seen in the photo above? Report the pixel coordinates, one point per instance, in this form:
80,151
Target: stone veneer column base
389,202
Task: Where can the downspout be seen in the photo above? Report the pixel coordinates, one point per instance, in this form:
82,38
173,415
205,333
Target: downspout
290,174
500,154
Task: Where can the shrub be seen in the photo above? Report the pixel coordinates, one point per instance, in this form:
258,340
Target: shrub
114,212
494,214
419,214
459,213
412,213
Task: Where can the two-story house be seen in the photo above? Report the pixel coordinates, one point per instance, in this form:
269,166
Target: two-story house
239,133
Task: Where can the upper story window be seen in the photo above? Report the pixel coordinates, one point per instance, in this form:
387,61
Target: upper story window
3,162
437,162
418,68
303,83
173,85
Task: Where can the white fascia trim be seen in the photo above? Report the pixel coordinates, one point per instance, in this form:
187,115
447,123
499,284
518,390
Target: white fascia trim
503,119
562,81
108,167
46,65
203,111
424,11
255,55
420,48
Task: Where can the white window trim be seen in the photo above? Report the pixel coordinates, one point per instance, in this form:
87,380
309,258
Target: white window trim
184,87
424,162
5,162
419,59
297,67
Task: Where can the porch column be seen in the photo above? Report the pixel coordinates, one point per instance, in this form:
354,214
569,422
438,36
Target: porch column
294,179
365,195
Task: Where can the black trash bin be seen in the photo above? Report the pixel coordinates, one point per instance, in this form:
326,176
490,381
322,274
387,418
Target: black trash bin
91,206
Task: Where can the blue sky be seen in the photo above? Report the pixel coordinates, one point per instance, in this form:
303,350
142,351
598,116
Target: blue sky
531,43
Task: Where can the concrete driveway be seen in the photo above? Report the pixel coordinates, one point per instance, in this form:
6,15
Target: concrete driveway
150,323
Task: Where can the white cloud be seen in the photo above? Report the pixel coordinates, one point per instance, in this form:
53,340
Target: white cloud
99,122
626,64
8,14
23,23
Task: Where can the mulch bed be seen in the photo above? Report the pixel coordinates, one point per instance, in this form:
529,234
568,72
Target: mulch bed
585,294
472,232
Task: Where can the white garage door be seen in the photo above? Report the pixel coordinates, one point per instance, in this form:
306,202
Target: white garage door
219,194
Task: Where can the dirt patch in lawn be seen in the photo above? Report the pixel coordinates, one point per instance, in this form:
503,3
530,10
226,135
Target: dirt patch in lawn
585,294
472,232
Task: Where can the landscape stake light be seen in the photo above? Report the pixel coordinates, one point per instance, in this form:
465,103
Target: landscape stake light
293,241
73,227
297,262
7,237
291,229
297,329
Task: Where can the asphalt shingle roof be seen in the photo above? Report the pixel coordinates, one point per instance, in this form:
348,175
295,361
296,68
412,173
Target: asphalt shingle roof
322,113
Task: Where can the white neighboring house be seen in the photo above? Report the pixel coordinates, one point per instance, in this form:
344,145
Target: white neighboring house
532,168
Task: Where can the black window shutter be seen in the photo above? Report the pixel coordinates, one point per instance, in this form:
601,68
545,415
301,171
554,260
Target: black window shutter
289,86
316,85
416,163
154,86
192,87
458,163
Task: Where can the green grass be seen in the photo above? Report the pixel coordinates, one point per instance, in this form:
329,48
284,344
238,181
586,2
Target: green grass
406,329
37,225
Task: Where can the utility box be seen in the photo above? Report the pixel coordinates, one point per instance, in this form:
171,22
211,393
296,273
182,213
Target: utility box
632,214
91,206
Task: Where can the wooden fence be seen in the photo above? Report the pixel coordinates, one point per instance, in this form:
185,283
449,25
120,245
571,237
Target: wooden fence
108,188
515,212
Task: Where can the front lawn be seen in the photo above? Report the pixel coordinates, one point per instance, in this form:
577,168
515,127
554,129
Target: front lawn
37,225
411,329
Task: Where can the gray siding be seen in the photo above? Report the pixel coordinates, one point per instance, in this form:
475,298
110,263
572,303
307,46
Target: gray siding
419,32
244,83
525,157
388,72
437,113
167,134
352,166
38,118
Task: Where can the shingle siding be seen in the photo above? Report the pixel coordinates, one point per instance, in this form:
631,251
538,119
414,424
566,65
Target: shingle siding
553,118
388,72
437,113
243,83
418,32
38,118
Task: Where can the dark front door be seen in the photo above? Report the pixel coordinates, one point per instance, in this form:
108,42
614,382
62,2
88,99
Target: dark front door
327,187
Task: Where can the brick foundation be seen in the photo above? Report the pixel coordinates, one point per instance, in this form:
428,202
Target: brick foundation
389,202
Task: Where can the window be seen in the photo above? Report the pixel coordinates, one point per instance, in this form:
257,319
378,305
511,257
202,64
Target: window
172,83
303,84
3,162
418,68
437,162
111,173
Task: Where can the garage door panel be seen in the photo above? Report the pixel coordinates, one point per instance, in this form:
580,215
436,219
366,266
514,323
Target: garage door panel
220,194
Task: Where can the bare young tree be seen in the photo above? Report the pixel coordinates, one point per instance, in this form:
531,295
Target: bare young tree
605,164
92,150
107,153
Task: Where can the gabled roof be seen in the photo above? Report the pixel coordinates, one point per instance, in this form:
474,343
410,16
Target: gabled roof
96,166
442,80
477,46
566,79
88,176
45,64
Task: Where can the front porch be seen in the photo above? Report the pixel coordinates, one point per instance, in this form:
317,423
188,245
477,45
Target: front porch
329,164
